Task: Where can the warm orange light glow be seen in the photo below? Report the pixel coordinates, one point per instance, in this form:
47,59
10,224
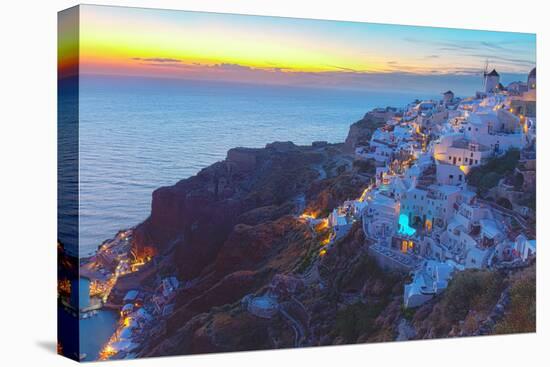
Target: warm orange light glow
406,246
323,252
125,265
107,352
98,288
139,262
308,215
126,321
323,224
64,286
363,196
428,225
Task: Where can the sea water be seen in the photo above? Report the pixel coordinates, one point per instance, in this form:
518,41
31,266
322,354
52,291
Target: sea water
138,134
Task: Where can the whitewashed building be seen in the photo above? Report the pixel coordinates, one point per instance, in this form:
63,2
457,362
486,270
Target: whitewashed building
492,81
430,279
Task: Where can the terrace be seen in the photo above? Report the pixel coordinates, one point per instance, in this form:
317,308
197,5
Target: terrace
390,258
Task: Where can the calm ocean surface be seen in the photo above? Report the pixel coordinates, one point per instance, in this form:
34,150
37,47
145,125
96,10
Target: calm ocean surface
138,134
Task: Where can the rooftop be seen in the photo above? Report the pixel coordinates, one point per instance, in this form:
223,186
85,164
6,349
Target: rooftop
446,189
465,144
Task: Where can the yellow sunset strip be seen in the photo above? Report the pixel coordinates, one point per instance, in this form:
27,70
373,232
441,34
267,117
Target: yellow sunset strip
116,39
212,50
104,40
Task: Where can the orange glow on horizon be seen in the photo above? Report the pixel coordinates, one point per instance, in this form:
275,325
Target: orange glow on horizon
179,44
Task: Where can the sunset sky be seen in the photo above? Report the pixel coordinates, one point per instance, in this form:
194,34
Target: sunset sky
179,44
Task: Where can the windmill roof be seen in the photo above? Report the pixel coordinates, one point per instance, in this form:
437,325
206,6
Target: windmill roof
493,73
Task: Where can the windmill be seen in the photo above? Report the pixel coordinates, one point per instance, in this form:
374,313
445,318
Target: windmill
485,73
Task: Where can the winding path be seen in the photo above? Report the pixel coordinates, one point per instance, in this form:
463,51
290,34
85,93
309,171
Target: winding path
296,326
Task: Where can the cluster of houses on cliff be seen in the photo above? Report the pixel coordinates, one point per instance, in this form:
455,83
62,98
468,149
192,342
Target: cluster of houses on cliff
420,215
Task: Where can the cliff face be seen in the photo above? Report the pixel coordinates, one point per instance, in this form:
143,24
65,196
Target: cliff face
210,317
333,191
196,215
360,132
230,230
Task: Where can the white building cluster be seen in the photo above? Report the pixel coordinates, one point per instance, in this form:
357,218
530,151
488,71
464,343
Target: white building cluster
420,215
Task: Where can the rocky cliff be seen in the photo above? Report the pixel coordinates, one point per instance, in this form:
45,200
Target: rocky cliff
361,131
230,230
196,215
